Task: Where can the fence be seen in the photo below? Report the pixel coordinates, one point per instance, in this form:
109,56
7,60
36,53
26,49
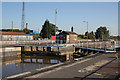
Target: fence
91,44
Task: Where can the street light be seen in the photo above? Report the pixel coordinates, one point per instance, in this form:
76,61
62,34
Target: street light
87,31
55,22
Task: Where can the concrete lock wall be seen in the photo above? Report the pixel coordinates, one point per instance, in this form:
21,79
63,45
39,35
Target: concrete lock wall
40,48
69,57
10,51
27,48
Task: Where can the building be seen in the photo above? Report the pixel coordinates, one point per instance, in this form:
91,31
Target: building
66,37
58,31
52,38
35,32
14,36
53,35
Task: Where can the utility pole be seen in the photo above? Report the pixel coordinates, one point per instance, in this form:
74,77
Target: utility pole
55,23
47,29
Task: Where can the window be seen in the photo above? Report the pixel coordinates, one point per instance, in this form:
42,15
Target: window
61,37
75,37
57,37
68,37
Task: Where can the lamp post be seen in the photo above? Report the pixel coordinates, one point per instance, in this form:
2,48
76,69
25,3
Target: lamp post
87,31
55,22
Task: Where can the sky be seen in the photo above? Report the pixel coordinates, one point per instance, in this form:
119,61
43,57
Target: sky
68,14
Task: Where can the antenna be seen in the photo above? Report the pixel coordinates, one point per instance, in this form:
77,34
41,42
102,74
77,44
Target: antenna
23,17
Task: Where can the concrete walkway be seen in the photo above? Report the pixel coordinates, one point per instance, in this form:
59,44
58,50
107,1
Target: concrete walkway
99,67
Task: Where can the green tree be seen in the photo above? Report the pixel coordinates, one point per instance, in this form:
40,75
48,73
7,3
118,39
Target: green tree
90,35
102,33
27,31
86,33
48,29
118,37
81,36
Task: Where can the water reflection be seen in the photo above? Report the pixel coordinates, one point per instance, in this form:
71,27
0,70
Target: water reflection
42,59
28,63
16,68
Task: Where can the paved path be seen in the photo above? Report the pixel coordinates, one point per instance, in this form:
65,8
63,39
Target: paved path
102,66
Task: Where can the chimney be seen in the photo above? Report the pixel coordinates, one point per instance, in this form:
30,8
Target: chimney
26,25
72,29
12,26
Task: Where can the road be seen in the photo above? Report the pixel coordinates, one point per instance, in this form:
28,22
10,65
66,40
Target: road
95,67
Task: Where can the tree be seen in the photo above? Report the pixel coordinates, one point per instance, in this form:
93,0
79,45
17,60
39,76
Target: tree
118,37
90,35
27,31
102,33
81,36
86,33
48,29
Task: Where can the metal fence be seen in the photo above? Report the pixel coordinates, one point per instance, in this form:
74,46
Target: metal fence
91,44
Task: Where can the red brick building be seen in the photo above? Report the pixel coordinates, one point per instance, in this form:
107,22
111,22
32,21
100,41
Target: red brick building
66,37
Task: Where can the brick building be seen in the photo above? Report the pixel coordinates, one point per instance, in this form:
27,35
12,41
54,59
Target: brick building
66,37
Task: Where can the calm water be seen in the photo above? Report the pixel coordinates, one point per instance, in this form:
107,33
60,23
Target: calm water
27,64
16,68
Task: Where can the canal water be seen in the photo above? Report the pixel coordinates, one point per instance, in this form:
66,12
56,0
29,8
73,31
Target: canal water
25,64
16,68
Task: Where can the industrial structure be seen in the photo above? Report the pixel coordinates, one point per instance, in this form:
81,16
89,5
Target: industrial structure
23,16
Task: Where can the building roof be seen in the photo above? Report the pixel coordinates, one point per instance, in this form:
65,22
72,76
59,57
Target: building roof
12,33
69,32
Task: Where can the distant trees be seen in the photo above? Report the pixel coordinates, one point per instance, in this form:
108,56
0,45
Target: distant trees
90,35
10,30
48,29
27,31
81,36
102,33
115,37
